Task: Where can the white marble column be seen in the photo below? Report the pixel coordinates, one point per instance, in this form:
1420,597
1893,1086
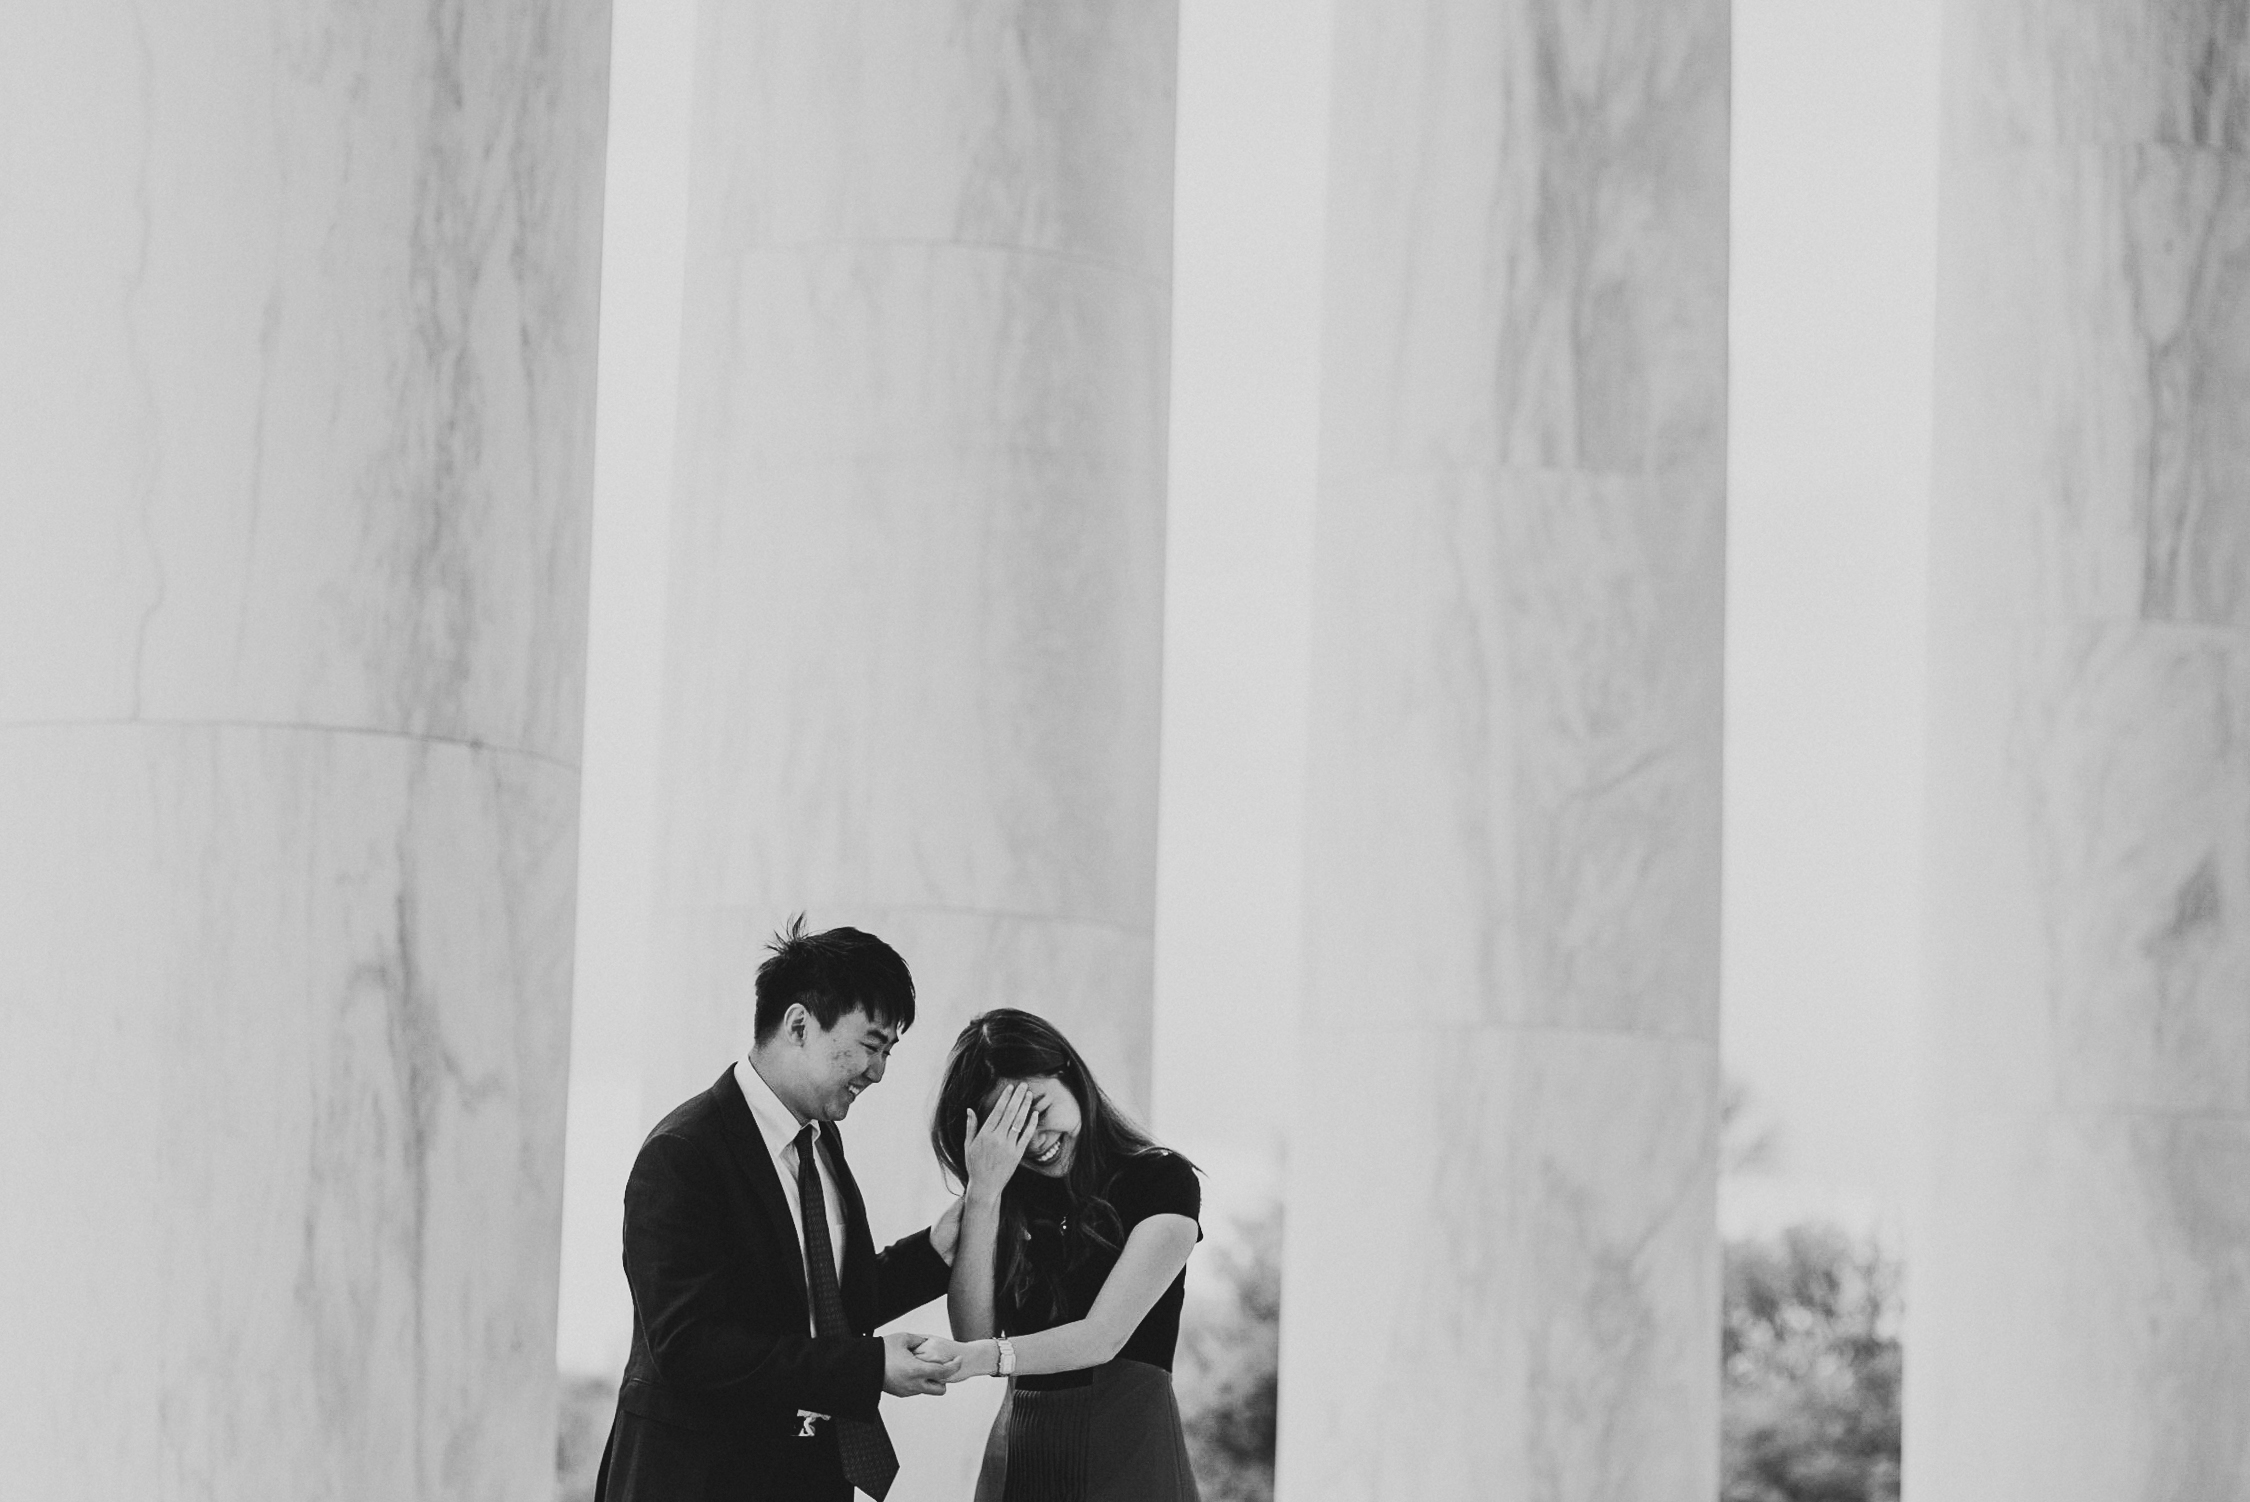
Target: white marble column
296,367
2080,1302
916,596
1501,1271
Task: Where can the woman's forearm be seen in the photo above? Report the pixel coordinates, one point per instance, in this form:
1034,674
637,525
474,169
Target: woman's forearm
969,1296
1066,1348
1154,1255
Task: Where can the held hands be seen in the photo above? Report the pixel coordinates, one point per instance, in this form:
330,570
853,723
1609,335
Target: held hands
996,1147
967,1358
907,1370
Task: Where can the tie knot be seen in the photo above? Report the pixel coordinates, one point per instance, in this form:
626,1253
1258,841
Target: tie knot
806,1135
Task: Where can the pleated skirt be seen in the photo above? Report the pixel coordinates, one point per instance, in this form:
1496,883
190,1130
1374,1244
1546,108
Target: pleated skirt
1115,1437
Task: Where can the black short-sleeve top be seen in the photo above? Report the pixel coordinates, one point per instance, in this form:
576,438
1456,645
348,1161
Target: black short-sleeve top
1155,1183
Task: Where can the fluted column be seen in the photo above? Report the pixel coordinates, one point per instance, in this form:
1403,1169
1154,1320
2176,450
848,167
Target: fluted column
2081,1255
1501,1273
296,367
914,641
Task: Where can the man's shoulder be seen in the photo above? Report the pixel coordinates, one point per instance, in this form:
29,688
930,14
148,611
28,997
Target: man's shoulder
696,1118
685,1149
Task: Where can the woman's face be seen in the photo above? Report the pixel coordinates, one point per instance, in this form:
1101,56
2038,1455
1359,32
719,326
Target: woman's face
1056,1120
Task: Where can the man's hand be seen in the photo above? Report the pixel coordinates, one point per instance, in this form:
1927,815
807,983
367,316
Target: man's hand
906,1373
945,1235
966,1359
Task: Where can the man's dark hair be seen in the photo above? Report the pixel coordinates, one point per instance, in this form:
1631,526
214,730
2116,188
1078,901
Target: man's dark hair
831,973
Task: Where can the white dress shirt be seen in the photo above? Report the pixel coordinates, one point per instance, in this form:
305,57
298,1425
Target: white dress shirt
779,1126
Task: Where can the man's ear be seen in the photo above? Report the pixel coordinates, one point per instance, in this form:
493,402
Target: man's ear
796,1022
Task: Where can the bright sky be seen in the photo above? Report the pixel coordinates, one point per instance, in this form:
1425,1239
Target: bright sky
1246,266
1834,143
1835,147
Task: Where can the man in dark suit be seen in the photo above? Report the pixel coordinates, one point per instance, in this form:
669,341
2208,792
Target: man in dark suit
752,1374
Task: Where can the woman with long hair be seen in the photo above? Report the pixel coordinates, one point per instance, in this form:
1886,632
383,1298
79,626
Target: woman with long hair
1069,1271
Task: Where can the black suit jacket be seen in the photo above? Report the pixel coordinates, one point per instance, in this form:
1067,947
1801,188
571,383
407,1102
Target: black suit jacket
721,1361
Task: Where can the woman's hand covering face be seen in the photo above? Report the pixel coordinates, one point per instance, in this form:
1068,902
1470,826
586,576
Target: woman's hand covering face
996,1146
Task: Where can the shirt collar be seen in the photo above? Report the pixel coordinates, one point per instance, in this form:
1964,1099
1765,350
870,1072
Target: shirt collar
776,1123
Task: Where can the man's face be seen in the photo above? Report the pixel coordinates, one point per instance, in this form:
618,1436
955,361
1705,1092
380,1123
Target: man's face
836,1063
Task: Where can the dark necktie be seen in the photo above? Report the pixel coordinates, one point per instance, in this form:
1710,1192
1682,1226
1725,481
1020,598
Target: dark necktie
869,1460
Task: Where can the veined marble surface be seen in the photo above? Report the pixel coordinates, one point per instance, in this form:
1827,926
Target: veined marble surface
2072,73
2106,290
2078,1297
299,366
1516,1290
297,311
1034,129
1543,189
1501,1187
2081,1313
915,624
1520,754
283,1112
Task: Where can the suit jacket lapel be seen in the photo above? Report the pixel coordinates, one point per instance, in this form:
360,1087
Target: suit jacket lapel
756,1164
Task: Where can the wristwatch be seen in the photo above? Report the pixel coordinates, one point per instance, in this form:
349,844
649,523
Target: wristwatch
1007,1356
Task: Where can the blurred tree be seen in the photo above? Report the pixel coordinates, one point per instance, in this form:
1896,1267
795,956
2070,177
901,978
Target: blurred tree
1809,1409
1230,1345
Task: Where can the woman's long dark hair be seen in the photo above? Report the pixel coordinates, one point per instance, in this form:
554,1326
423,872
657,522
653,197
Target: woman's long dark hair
1005,1044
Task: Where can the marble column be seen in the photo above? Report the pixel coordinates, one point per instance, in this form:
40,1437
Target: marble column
1501,1270
915,610
2080,1302
296,366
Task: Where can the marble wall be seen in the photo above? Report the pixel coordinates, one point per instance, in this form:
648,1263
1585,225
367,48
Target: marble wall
2081,1299
916,592
1502,1265
296,367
